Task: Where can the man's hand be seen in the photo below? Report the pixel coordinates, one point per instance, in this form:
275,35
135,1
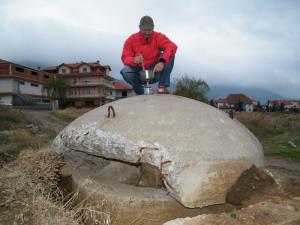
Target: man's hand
159,67
138,59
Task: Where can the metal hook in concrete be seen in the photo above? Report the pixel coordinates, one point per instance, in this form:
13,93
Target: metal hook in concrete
111,108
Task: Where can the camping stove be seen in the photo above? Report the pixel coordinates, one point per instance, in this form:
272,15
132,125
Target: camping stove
146,77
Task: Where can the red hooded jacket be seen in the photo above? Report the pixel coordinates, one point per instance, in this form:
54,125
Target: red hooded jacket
157,46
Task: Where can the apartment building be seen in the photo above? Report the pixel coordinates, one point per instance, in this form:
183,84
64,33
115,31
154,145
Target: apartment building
20,84
90,82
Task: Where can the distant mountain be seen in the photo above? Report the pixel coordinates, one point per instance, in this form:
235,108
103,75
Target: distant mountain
31,64
255,93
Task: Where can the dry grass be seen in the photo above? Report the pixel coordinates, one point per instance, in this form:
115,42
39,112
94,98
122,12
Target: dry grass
279,119
26,137
43,169
18,139
32,175
29,194
47,212
69,114
16,136
11,117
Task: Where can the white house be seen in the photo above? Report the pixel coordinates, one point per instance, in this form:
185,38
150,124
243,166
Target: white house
19,83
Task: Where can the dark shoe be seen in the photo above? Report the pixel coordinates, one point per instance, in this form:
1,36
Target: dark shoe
162,90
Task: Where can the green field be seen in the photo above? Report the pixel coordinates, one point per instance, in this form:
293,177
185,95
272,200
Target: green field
275,131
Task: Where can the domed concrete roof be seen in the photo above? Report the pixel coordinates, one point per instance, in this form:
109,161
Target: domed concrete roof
199,147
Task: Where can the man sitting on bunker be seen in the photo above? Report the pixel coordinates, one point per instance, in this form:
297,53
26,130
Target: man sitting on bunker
151,49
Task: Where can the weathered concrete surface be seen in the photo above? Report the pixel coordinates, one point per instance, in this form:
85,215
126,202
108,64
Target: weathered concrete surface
102,169
216,179
201,149
128,204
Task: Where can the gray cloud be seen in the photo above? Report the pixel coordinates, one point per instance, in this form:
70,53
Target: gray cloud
247,43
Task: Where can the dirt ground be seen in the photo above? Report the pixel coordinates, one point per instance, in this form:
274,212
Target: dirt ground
288,167
46,119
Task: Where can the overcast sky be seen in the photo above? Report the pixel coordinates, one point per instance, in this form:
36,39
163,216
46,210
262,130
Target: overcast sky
228,42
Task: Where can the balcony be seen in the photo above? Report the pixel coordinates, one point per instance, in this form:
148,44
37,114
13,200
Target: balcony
102,82
91,95
106,83
84,84
84,96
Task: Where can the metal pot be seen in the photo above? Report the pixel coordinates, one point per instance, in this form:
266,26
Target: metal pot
146,75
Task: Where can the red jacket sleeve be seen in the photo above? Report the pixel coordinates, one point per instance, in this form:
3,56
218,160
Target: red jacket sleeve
128,54
168,47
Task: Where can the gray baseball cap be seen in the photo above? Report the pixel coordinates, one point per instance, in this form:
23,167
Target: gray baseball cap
146,23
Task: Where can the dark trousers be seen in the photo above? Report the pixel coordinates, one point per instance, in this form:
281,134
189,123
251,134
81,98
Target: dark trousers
131,75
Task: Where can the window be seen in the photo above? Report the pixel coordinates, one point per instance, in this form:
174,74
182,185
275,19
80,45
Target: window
86,91
84,69
124,93
64,70
34,73
20,69
46,76
21,82
34,85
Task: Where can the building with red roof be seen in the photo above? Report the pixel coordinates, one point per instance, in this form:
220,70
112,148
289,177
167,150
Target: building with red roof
121,90
286,104
90,82
20,85
234,101
221,103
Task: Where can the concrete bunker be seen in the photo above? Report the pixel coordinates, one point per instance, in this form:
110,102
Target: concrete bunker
194,151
